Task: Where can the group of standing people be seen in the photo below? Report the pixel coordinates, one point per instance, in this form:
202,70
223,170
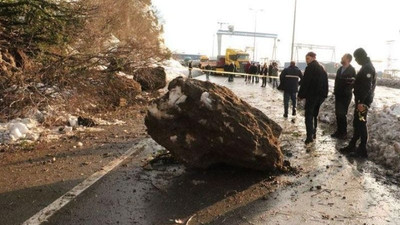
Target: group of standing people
256,70
364,90
314,90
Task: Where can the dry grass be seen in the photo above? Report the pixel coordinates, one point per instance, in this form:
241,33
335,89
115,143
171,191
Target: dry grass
70,70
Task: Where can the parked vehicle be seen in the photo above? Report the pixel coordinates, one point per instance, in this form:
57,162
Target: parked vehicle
238,57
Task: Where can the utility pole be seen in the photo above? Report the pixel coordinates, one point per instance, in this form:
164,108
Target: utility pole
212,53
294,29
255,30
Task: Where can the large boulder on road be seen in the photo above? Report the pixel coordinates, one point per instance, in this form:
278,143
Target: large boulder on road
203,124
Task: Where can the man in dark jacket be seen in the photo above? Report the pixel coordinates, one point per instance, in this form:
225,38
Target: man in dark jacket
258,73
231,68
270,67
290,78
274,73
252,71
190,69
264,73
313,88
247,70
343,92
208,67
364,89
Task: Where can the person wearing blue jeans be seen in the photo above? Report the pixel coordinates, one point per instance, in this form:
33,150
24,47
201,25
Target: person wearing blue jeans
290,79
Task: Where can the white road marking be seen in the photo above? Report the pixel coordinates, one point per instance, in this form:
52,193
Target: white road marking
44,214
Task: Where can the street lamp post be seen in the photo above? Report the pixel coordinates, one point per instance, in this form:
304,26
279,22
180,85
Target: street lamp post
255,30
294,29
212,53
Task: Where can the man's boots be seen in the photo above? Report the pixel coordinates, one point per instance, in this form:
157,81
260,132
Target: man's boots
339,135
361,152
351,147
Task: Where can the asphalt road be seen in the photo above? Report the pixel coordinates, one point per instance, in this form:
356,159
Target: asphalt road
329,188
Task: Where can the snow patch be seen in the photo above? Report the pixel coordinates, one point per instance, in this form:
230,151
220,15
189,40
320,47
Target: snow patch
101,68
173,69
228,125
173,139
189,139
112,43
68,129
395,110
102,122
73,121
176,96
205,99
19,129
122,74
203,122
154,111
326,118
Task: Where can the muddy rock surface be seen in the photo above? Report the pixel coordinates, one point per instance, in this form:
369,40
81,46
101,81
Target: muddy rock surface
204,124
151,78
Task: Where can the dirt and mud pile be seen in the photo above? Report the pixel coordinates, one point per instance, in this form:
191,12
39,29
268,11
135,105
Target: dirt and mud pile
203,124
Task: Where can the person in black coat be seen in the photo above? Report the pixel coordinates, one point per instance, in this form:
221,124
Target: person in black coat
264,73
289,79
247,70
231,68
274,73
313,88
364,91
190,69
270,67
208,67
258,73
253,71
343,92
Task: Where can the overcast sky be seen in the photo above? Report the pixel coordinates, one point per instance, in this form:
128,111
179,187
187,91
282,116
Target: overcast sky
190,26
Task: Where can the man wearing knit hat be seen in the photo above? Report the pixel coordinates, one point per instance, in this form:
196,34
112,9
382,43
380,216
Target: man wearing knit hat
364,88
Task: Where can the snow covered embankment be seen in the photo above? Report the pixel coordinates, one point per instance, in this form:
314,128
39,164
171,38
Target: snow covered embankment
384,130
174,69
31,129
